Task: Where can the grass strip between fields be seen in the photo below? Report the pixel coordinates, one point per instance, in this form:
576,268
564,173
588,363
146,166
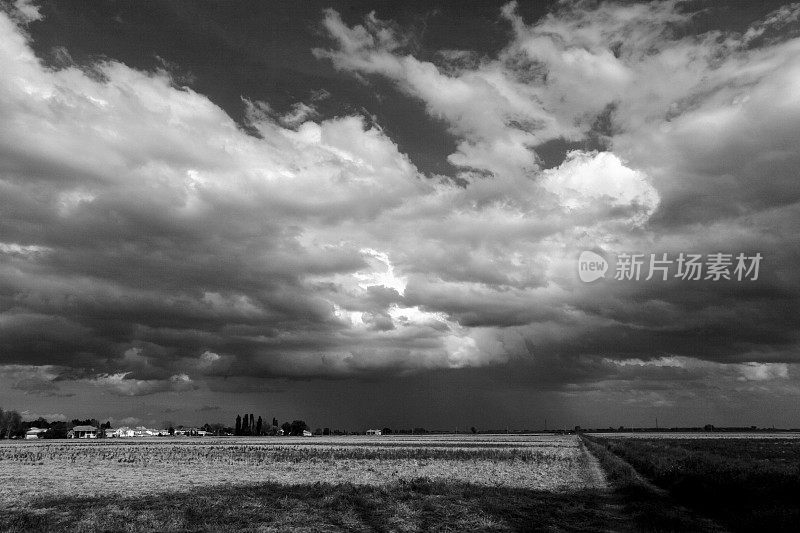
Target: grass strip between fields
748,485
650,507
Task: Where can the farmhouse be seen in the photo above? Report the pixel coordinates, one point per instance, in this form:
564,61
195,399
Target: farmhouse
139,431
35,433
374,432
122,432
84,432
142,431
306,433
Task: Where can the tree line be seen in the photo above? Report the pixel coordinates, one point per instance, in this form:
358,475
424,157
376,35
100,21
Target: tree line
13,427
248,425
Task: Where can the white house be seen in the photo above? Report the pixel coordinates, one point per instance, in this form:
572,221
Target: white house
123,432
374,432
84,432
35,433
306,433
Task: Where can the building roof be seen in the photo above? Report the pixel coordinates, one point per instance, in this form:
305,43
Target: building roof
84,428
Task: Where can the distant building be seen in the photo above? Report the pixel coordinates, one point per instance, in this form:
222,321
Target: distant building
138,431
84,432
35,433
142,431
123,432
374,432
306,433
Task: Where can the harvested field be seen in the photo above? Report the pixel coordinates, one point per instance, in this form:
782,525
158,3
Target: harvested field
432,483
137,467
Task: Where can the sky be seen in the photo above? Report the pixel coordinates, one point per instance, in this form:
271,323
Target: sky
369,214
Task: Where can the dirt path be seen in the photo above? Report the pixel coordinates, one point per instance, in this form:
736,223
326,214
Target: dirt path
636,504
595,476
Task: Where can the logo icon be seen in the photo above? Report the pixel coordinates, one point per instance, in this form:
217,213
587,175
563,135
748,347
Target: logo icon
591,266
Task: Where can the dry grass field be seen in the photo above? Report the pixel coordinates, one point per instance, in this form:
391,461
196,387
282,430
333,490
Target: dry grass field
136,466
396,483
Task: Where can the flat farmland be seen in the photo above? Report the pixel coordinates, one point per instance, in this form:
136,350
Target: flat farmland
130,467
748,482
387,483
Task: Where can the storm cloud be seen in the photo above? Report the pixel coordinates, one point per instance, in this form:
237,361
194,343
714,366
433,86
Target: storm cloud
150,243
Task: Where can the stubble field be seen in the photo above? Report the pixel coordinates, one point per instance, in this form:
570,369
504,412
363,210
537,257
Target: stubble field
457,483
131,467
388,483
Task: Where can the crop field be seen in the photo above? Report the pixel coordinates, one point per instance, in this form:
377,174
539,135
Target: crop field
387,483
132,467
397,483
745,483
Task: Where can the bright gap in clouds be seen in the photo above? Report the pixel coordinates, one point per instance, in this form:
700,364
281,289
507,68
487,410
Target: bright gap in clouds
383,275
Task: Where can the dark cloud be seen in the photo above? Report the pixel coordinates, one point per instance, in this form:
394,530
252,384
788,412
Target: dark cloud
361,198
